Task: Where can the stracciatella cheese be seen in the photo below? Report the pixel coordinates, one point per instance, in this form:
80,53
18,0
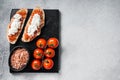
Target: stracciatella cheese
15,25
35,23
17,16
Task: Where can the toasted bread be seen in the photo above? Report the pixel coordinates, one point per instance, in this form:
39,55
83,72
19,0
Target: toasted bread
34,25
13,31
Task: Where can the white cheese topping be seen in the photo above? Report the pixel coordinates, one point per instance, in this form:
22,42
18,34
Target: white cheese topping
34,24
15,25
17,16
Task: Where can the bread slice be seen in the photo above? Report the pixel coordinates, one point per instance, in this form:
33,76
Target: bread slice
13,31
37,17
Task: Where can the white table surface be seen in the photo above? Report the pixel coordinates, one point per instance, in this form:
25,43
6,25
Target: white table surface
90,39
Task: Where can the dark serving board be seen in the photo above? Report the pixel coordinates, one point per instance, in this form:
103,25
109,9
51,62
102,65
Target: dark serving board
51,29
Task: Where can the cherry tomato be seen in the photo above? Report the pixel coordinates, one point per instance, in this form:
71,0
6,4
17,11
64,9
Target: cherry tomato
48,64
38,53
49,53
53,42
41,43
36,64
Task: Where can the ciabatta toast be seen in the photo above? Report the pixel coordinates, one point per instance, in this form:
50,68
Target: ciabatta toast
16,25
34,25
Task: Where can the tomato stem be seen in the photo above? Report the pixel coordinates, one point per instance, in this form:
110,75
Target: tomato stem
47,61
37,66
49,53
41,45
52,45
39,54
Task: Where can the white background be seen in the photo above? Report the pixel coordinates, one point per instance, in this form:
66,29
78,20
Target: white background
90,39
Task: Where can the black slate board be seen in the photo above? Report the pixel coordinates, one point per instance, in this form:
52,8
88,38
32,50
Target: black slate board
51,29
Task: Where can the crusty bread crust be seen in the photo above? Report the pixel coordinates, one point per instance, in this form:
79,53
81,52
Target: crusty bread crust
26,37
23,13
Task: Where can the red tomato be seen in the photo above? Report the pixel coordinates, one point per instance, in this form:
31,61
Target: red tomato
38,53
53,42
41,43
49,53
48,64
36,65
